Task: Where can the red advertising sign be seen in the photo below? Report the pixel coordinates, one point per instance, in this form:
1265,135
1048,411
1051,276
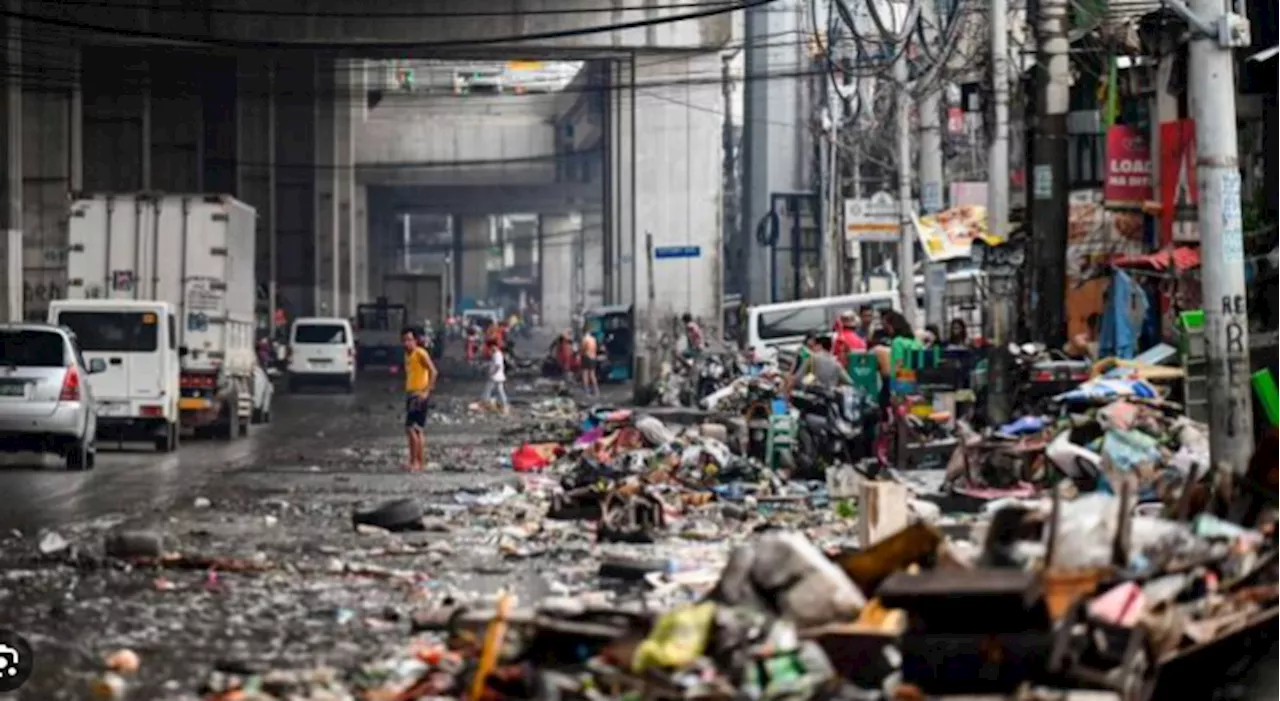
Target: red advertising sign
955,121
1128,174
1179,193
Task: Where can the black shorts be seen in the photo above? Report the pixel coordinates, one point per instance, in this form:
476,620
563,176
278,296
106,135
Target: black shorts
589,364
415,412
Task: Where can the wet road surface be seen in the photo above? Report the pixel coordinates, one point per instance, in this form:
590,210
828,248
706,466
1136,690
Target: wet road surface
39,493
320,592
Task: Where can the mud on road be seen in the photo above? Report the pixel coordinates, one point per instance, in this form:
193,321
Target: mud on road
317,592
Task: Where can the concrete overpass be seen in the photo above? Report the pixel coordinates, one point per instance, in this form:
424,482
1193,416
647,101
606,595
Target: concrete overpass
268,104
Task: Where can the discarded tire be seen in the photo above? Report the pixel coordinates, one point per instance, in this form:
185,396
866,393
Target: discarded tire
397,515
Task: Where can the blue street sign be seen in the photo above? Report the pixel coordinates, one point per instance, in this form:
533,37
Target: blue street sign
661,252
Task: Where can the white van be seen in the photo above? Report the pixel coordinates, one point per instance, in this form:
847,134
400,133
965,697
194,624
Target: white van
322,350
784,325
138,393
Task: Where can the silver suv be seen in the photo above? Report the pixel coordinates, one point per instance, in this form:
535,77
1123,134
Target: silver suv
46,405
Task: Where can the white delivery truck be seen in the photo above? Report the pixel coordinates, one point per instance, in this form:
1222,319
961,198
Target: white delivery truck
195,253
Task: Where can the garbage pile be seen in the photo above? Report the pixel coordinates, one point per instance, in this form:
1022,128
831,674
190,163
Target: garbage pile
722,381
1083,594
1108,431
629,473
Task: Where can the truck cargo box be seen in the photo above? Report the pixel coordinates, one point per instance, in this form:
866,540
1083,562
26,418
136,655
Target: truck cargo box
195,252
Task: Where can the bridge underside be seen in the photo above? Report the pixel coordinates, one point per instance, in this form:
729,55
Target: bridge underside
281,129
400,28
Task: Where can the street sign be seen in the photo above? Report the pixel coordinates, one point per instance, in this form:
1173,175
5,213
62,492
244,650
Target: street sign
872,219
669,252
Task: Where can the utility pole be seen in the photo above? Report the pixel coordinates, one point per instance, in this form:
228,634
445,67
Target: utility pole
906,239
1003,309
998,149
1049,198
831,258
732,231
935,274
1211,89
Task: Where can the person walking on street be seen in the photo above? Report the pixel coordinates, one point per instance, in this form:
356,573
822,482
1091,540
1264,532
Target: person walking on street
562,352
590,352
419,379
496,385
693,334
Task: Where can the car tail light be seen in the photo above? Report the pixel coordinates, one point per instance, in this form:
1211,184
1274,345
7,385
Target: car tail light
1042,376
150,410
70,386
351,353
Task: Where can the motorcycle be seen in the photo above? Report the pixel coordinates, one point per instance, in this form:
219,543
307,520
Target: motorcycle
708,373
1041,374
830,428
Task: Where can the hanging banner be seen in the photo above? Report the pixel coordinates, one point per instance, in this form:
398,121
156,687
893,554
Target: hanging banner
1179,193
1128,174
949,235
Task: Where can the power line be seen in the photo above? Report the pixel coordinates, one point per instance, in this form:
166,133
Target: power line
162,9
47,81
223,42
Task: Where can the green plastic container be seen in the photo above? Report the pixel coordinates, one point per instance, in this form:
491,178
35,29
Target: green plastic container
1265,387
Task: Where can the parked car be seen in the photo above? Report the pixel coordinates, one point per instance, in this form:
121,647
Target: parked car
46,403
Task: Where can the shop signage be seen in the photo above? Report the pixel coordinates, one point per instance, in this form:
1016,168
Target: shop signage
1128,172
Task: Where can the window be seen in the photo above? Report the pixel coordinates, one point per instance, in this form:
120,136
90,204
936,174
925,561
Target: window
134,332
173,333
793,322
322,334
32,349
389,317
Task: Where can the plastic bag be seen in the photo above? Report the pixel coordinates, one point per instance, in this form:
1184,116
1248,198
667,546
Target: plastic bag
528,458
1086,532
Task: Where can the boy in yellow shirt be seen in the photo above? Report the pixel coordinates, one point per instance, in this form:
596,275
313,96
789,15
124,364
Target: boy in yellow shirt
419,379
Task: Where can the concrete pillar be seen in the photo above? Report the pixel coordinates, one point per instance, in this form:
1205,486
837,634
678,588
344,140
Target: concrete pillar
473,271
348,97
360,246
49,168
677,159
559,236
620,183
115,99
295,158
352,112
326,191
775,157
593,262
11,243
255,168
